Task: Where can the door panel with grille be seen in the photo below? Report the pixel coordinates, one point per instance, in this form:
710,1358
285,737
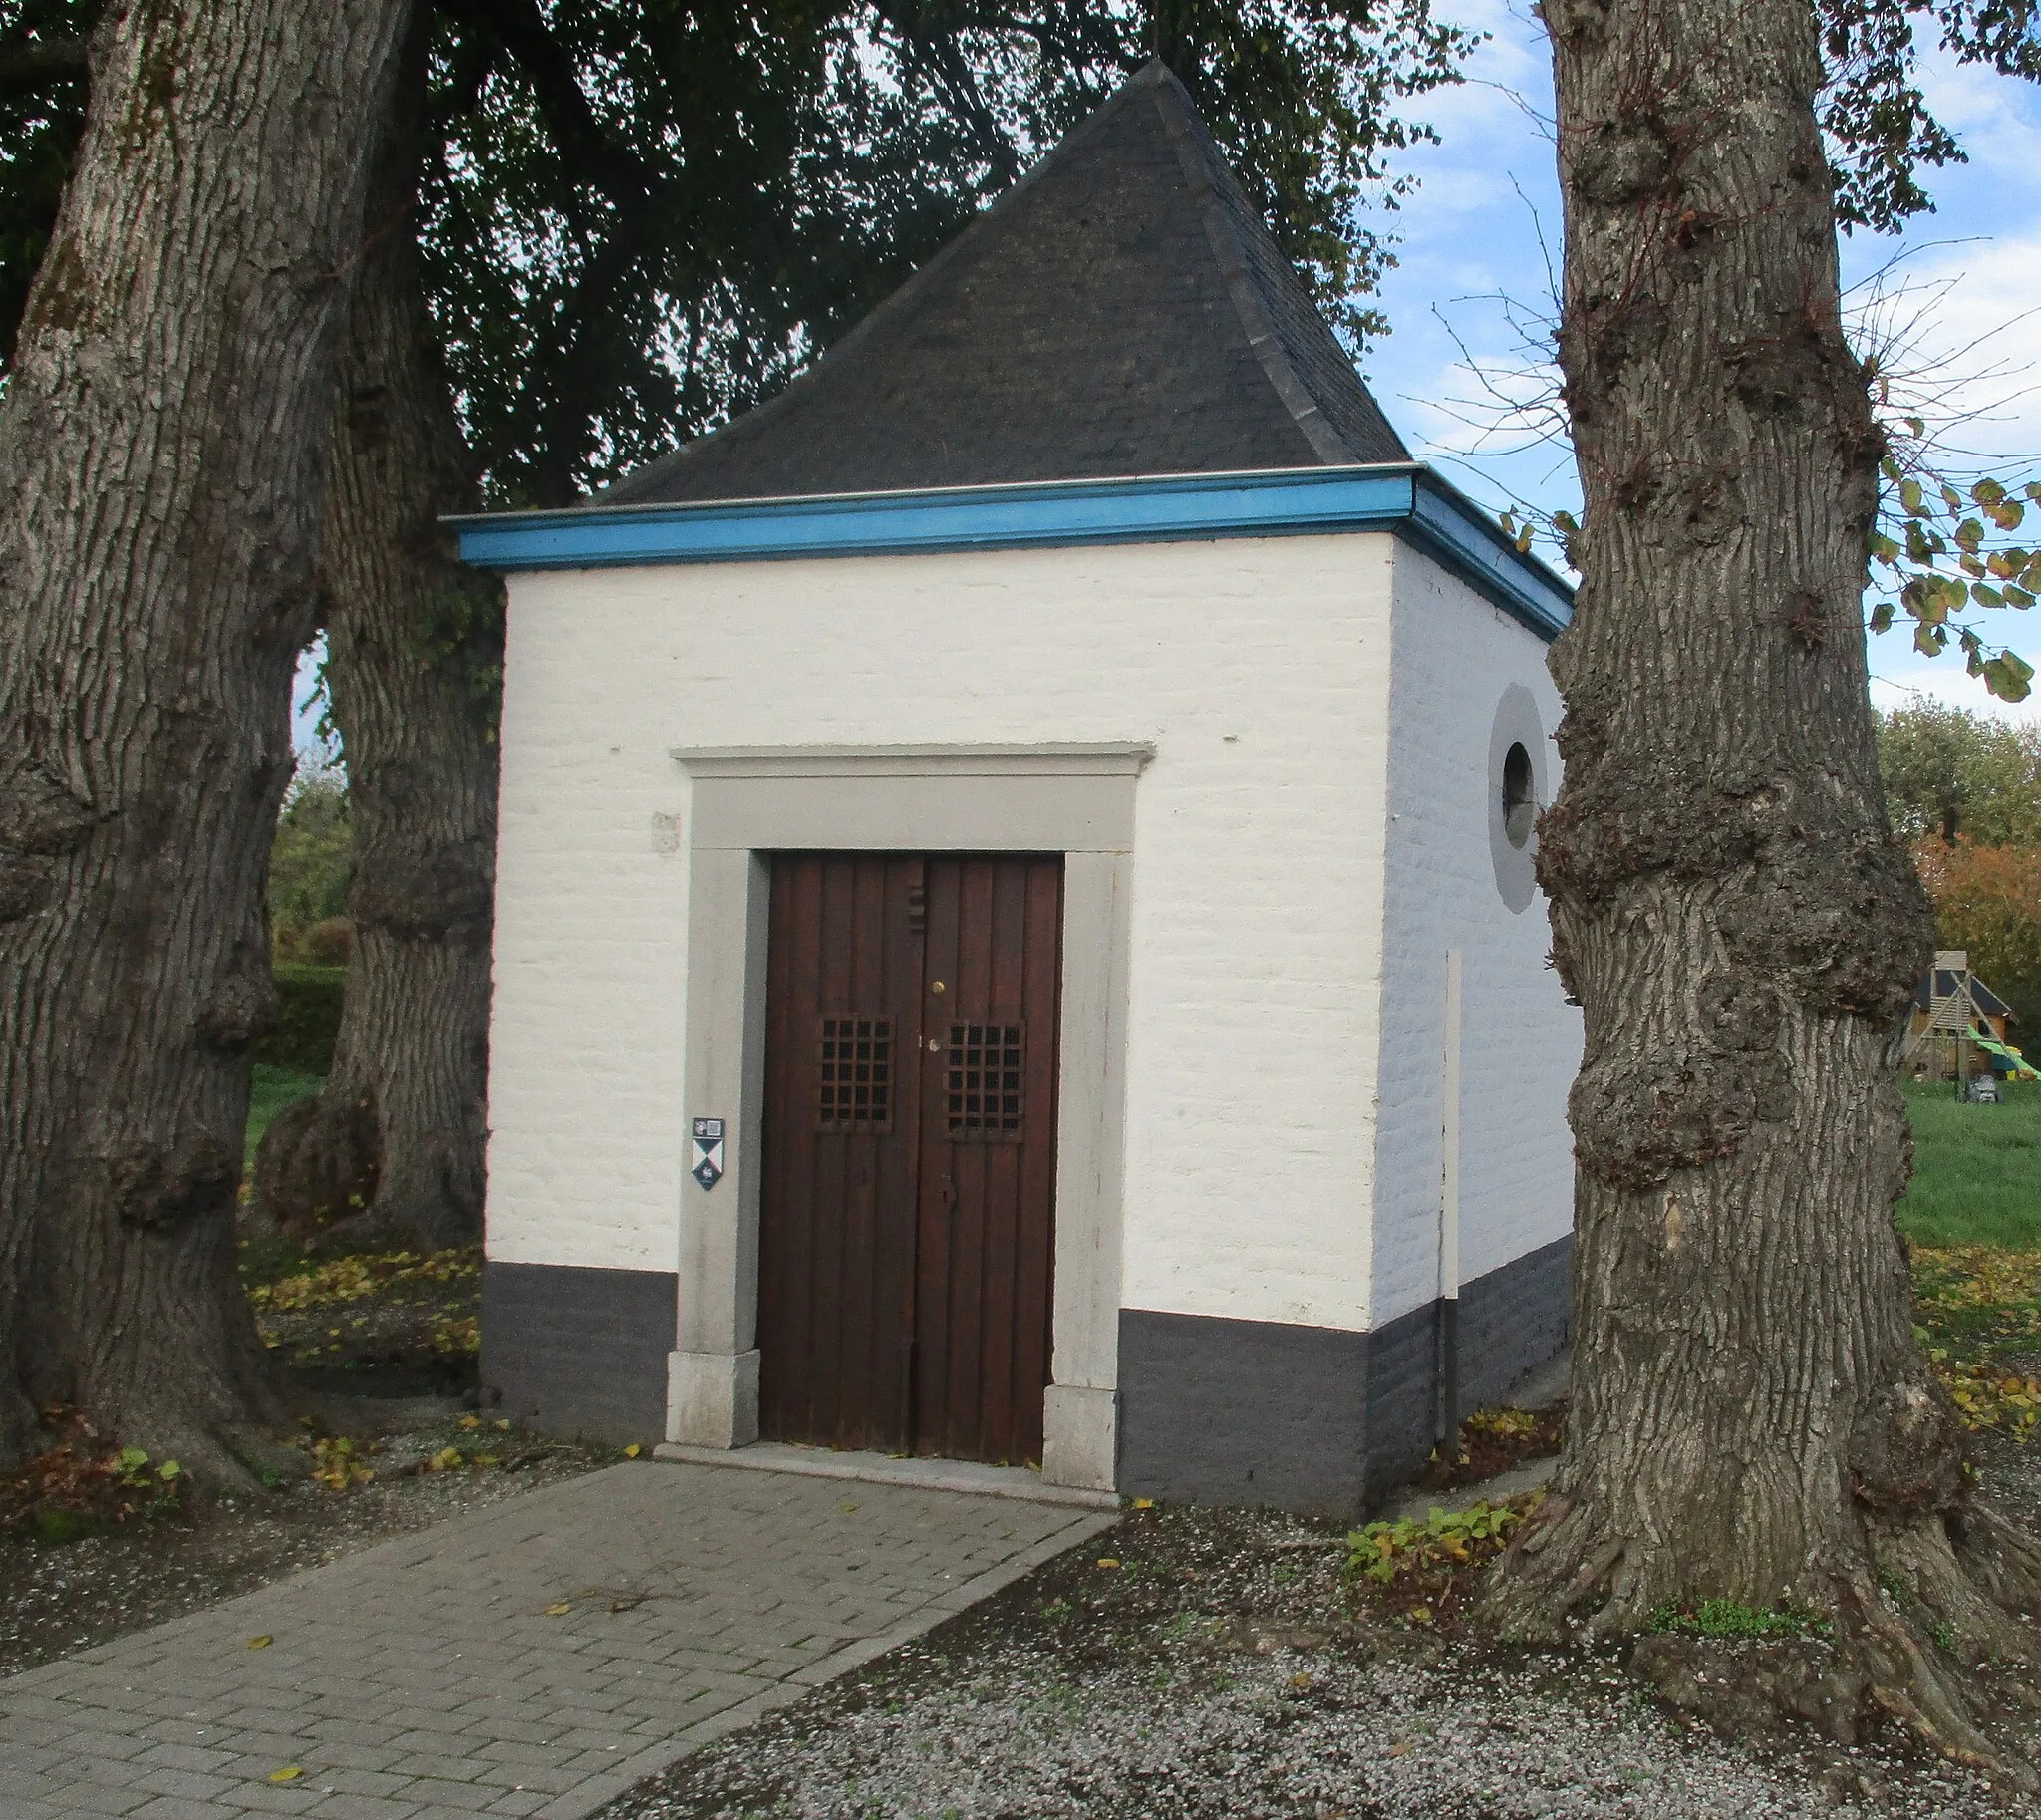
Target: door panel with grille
836,1224
988,1157
908,1194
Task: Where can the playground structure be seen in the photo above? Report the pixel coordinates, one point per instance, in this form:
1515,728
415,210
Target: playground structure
1957,1030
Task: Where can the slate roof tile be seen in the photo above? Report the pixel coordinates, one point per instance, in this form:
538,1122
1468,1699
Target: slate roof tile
1123,310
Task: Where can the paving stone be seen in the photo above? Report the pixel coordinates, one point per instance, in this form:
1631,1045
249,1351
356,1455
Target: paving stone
86,1798
423,1681
178,1807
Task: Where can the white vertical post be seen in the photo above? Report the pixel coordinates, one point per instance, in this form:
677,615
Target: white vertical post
1447,1414
1449,1135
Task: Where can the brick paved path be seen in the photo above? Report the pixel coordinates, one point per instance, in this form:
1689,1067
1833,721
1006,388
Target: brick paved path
424,1677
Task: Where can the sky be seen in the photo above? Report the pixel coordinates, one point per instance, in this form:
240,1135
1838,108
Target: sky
1480,245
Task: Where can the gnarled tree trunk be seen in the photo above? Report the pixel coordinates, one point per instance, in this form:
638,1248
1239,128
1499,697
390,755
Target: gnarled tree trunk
391,1150
1752,1418
162,450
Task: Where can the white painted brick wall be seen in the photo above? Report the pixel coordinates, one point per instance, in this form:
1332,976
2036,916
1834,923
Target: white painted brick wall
1455,654
1258,668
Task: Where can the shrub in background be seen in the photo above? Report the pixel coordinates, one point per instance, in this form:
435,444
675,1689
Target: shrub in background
311,863
330,942
1988,900
302,1041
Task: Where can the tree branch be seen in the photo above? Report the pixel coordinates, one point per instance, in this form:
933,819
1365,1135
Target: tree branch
586,146
36,67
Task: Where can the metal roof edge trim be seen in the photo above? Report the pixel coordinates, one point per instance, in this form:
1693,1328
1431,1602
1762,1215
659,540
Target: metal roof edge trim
1403,498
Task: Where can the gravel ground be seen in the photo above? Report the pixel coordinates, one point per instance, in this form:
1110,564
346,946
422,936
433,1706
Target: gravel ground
1195,1664
70,1597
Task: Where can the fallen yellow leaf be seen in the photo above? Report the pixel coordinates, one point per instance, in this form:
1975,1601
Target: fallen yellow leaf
1144,1503
560,1610
632,1451
260,1643
290,1774
1107,1561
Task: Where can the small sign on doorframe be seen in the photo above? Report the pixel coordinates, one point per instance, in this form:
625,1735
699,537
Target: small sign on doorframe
708,1168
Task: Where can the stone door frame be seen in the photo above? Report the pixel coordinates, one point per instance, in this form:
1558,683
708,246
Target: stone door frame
748,802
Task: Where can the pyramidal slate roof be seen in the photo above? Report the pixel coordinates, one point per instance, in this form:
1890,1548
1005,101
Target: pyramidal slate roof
1121,311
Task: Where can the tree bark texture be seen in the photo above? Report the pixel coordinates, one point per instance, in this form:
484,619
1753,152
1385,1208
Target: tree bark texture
163,448
1751,1418
392,1147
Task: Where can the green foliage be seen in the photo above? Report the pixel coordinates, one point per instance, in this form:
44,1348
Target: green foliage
312,858
1725,1618
274,1090
302,1042
1445,1539
58,1527
675,209
1873,110
39,125
82,1484
1976,1169
1971,531
133,1472
1948,771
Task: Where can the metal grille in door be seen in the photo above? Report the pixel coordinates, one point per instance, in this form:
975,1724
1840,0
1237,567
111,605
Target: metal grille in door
854,1091
985,1092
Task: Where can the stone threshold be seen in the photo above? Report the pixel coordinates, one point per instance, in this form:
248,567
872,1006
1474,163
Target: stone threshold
886,1469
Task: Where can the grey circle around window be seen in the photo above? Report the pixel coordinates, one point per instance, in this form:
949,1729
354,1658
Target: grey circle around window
1520,795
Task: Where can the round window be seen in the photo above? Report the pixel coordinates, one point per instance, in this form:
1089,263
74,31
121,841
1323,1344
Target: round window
1520,795
1516,784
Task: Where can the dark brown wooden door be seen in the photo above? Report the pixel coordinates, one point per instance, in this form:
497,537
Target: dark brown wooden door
908,1199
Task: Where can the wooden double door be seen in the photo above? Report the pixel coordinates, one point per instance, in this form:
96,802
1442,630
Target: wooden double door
907,1205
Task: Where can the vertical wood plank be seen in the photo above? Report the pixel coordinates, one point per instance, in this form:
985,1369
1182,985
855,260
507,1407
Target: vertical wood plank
1005,1003
898,1165
786,1209
856,994
937,1186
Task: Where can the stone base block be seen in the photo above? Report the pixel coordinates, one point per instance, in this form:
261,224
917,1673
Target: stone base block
1080,1436
711,1399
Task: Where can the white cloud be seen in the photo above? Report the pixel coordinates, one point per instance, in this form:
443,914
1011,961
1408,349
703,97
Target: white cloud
1900,678
1995,117
1970,329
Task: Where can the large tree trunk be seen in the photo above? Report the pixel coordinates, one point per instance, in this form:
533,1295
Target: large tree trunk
1752,1418
161,449
392,1151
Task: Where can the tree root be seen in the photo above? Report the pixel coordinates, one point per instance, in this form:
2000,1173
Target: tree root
1921,1621
19,1433
2004,1562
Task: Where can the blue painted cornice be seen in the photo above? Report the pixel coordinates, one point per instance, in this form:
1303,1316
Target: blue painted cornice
1404,499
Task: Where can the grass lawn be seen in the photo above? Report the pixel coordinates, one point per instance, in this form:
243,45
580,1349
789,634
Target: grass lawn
1976,1169
275,1090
